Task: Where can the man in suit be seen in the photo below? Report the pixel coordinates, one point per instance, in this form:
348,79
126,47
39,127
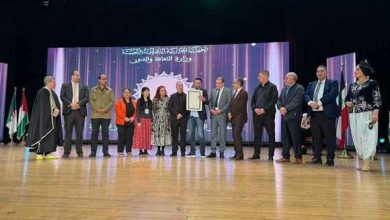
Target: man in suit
290,107
178,118
196,121
238,116
74,97
321,97
219,104
263,105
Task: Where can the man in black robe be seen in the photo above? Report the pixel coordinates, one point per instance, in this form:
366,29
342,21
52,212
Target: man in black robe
45,130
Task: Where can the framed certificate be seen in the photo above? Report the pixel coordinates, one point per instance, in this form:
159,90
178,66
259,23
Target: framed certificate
193,102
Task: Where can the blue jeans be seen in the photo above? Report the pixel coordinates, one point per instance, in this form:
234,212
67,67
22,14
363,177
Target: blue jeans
197,123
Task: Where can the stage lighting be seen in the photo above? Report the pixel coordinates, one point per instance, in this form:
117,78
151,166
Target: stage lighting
253,44
45,3
381,140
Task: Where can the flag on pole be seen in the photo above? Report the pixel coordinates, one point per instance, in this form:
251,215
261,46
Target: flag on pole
23,119
342,122
12,116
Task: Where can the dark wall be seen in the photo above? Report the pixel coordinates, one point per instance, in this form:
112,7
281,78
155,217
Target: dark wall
315,30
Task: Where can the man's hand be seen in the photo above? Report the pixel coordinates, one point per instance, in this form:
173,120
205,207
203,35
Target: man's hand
127,119
314,105
131,119
56,112
179,116
349,104
259,111
202,99
102,111
374,117
283,111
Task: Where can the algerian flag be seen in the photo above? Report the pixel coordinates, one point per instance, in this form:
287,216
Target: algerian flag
12,116
22,117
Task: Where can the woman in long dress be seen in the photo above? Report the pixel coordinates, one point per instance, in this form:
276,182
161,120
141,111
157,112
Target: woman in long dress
143,129
363,100
161,129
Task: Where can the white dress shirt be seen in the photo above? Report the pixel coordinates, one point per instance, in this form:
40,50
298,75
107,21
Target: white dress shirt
75,89
237,91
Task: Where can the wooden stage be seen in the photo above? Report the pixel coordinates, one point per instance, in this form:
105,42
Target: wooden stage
188,188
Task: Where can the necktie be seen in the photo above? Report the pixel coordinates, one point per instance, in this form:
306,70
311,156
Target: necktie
179,96
288,88
315,97
235,94
216,100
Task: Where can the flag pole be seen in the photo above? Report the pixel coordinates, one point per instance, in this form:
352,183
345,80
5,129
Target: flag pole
23,140
11,136
344,153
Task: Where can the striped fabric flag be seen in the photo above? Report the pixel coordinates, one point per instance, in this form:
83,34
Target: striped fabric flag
23,119
11,123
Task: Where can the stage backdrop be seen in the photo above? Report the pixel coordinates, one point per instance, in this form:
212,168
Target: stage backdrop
335,65
3,89
134,67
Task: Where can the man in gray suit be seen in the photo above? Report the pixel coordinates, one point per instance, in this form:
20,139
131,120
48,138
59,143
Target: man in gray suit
290,106
219,103
74,97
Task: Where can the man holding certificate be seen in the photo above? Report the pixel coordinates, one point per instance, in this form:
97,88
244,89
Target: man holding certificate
220,99
197,99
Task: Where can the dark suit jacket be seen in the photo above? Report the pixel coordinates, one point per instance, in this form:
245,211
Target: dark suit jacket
66,96
176,106
328,100
270,95
238,107
293,102
203,114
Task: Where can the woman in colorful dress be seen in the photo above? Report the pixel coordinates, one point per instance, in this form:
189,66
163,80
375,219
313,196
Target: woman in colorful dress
161,129
125,109
143,129
363,101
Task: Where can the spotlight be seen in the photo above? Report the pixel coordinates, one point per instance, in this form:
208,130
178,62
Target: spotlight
45,3
253,44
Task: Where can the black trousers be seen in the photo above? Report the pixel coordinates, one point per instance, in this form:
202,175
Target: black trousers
176,127
96,124
260,122
291,136
125,137
323,131
237,138
74,120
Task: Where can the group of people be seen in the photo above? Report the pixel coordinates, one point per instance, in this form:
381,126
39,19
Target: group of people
163,121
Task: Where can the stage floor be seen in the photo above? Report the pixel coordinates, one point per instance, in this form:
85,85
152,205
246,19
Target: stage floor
188,188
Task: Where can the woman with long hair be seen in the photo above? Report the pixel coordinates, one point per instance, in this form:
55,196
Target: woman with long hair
126,115
161,129
363,101
143,130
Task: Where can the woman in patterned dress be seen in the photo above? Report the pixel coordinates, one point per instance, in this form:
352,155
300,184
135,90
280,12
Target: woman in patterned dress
363,101
161,129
